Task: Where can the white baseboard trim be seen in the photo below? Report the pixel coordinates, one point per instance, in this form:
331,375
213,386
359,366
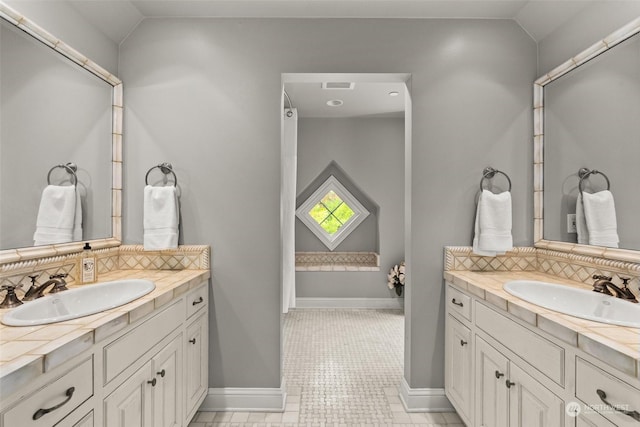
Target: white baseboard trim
236,399
424,399
381,303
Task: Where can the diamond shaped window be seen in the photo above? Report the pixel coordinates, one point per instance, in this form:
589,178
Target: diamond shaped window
331,213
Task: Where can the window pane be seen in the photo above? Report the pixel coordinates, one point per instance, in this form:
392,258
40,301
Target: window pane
331,201
343,213
331,224
319,213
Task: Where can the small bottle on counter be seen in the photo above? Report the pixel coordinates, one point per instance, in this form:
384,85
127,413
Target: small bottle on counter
88,265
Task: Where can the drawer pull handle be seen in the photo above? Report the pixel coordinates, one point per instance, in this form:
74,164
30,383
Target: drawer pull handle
499,374
457,303
198,301
509,384
152,382
463,343
161,373
40,412
192,341
603,396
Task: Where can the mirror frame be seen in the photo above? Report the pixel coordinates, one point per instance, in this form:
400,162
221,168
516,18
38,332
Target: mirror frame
24,254
596,49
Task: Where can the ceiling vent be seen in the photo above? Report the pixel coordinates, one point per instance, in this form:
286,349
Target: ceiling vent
338,85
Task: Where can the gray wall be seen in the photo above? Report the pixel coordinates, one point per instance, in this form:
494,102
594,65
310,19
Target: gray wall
64,22
592,25
371,152
205,94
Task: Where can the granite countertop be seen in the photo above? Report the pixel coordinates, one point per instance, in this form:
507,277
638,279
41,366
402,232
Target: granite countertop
28,351
617,346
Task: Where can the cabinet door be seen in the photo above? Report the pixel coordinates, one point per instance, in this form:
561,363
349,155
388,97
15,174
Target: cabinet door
196,363
491,390
530,403
130,404
458,376
167,392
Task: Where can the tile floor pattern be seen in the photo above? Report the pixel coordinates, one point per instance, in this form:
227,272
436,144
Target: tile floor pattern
341,368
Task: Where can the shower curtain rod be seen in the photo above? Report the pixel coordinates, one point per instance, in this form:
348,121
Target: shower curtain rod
290,112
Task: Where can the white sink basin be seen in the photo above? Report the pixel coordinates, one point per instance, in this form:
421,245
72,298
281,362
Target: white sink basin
78,302
577,302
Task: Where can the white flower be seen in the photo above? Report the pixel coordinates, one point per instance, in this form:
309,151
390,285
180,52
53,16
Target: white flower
401,278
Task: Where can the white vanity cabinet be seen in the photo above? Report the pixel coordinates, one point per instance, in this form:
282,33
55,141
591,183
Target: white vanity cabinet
522,376
459,354
196,351
616,400
504,394
47,405
153,372
151,396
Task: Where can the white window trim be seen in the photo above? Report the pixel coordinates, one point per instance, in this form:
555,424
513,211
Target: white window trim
331,241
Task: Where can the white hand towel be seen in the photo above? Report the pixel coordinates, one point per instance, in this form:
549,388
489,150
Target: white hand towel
493,224
581,223
56,215
160,218
600,215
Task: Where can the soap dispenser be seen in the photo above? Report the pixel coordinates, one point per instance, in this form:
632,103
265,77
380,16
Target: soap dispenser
88,266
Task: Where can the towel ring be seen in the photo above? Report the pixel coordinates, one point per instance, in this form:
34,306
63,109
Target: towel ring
165,168
489,173
584,173
71,168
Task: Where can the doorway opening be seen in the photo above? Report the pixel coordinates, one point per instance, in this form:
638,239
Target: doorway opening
355,129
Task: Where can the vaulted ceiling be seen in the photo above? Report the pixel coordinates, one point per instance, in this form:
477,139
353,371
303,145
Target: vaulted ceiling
539,18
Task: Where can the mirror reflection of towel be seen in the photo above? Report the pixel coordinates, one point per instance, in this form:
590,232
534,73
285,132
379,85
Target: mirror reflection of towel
59,216
600,218
160,218
493,224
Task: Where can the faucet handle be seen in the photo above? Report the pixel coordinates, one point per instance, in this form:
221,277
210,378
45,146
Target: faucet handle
11,299
625,281
58,276
601,277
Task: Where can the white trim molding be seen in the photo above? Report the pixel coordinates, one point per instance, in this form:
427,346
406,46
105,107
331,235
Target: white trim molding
423,399
238,399
369,303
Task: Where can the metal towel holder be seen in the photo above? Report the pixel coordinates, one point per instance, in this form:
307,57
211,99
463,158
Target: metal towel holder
584,173
71,168
489,173
165,168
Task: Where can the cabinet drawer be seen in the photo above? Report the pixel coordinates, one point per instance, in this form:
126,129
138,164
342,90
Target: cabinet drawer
121,353
539,352
590,379
56,397
196,300
587,418
458,302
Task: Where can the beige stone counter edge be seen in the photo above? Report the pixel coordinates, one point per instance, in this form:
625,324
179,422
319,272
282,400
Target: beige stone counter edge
618,346
80,334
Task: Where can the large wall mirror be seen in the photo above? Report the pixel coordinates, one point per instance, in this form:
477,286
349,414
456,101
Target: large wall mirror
61,120
587,116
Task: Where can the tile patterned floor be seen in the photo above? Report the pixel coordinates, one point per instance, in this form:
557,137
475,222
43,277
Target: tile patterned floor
341,368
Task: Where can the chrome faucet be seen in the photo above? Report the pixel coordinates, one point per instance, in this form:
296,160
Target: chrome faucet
58,282
604,285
